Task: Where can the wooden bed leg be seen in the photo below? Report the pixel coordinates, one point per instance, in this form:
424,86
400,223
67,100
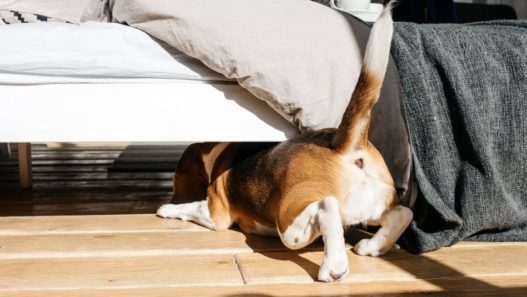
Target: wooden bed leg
24,165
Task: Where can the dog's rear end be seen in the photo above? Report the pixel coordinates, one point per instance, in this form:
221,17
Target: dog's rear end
352,184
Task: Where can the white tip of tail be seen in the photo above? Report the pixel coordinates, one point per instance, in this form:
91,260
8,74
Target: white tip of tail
377,51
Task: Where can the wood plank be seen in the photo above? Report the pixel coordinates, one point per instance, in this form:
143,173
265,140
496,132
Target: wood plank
92,224
94,176
67,155
72,155
397,265
489,287
105,176
489,259
127,185
134,244
64,196
118,272
82,208
55,169
10,162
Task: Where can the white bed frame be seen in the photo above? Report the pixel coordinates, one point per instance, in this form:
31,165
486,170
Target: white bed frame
167,111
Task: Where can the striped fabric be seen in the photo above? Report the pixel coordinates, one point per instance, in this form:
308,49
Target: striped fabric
14,17
324,2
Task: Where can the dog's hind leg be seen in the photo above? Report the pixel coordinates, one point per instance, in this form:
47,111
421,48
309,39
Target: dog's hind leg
321,217
197,212
393,223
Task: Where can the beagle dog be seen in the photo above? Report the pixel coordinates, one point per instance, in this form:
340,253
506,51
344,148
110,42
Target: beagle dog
317,183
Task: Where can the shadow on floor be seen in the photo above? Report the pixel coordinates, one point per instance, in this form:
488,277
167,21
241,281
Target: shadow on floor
450,281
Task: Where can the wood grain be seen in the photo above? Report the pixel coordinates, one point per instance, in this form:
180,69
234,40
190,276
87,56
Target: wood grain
92,224
118,272
134,244
398,265
97,176
82,208
489,287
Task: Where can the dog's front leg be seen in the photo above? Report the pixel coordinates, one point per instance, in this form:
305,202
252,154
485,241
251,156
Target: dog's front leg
335,265
197,212
321,218
393,223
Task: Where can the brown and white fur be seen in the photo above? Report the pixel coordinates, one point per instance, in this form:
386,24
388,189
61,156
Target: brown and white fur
315,184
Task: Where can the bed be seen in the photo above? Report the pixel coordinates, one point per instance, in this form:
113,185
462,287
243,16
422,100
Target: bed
130,76
282,67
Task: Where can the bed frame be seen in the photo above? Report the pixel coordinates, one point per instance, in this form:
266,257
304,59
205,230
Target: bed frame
173,111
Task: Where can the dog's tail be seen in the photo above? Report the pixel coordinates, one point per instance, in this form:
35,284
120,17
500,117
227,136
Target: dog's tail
352,132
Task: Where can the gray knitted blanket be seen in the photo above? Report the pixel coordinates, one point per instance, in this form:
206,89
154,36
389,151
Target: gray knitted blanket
464,92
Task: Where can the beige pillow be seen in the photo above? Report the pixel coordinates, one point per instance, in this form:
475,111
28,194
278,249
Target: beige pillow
73,11
301,57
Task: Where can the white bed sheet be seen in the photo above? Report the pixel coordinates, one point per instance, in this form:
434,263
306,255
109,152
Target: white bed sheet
93,52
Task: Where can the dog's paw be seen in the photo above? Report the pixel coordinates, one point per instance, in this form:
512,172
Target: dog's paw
368,247
334,268
168,211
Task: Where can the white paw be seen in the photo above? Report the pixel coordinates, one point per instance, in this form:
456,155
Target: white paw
368,247
168,211
334,268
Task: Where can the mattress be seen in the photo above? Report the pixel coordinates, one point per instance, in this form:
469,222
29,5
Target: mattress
180,111
109,82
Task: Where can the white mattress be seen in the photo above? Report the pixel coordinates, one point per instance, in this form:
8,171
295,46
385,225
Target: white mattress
109,82
92,52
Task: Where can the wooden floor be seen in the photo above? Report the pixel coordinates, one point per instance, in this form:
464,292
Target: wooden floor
88,229
90,180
